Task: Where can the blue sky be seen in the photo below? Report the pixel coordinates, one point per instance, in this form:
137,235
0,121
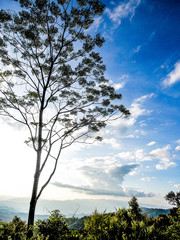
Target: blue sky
139,155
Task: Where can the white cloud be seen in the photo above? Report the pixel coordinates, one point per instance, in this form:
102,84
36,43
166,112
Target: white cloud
164,157
126,156
143,98
122,82
165,165
142,156
173,77
161,153
131,136
177,185
151,143
113,142
118,86
177,148
139,155
123,10
136,107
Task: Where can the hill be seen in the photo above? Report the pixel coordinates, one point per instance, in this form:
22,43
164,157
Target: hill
7,214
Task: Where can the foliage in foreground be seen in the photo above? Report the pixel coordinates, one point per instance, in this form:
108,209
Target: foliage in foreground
124,224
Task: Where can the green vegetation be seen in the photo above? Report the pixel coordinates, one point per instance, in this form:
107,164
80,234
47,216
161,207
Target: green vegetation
124,224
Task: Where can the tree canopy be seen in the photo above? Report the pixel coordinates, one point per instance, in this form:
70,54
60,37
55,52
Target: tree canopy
52,79
173,198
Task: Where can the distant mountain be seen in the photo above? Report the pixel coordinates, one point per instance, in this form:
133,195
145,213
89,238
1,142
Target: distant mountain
9,207
7,214
154,212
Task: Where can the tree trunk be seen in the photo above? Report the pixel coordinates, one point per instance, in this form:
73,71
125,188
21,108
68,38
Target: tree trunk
33,206
34,199
34,195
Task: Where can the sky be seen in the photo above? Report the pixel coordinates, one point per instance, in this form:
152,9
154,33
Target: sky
139,156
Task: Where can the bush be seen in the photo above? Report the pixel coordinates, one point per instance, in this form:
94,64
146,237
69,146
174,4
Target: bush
14,230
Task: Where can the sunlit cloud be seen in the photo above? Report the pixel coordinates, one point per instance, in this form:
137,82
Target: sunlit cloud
106,182
177,185
103,176
173,77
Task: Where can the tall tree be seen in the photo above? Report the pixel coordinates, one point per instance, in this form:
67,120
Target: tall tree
52,80
135,209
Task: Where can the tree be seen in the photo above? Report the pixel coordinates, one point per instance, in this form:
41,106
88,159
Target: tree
52,80
173,198
55,227
135,209
97,226
15,229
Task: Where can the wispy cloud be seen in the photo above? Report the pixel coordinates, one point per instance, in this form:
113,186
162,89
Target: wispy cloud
151,143
137,49
123,10
136,109
105,192
121,82
96,24
173,77
177,185
147,179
